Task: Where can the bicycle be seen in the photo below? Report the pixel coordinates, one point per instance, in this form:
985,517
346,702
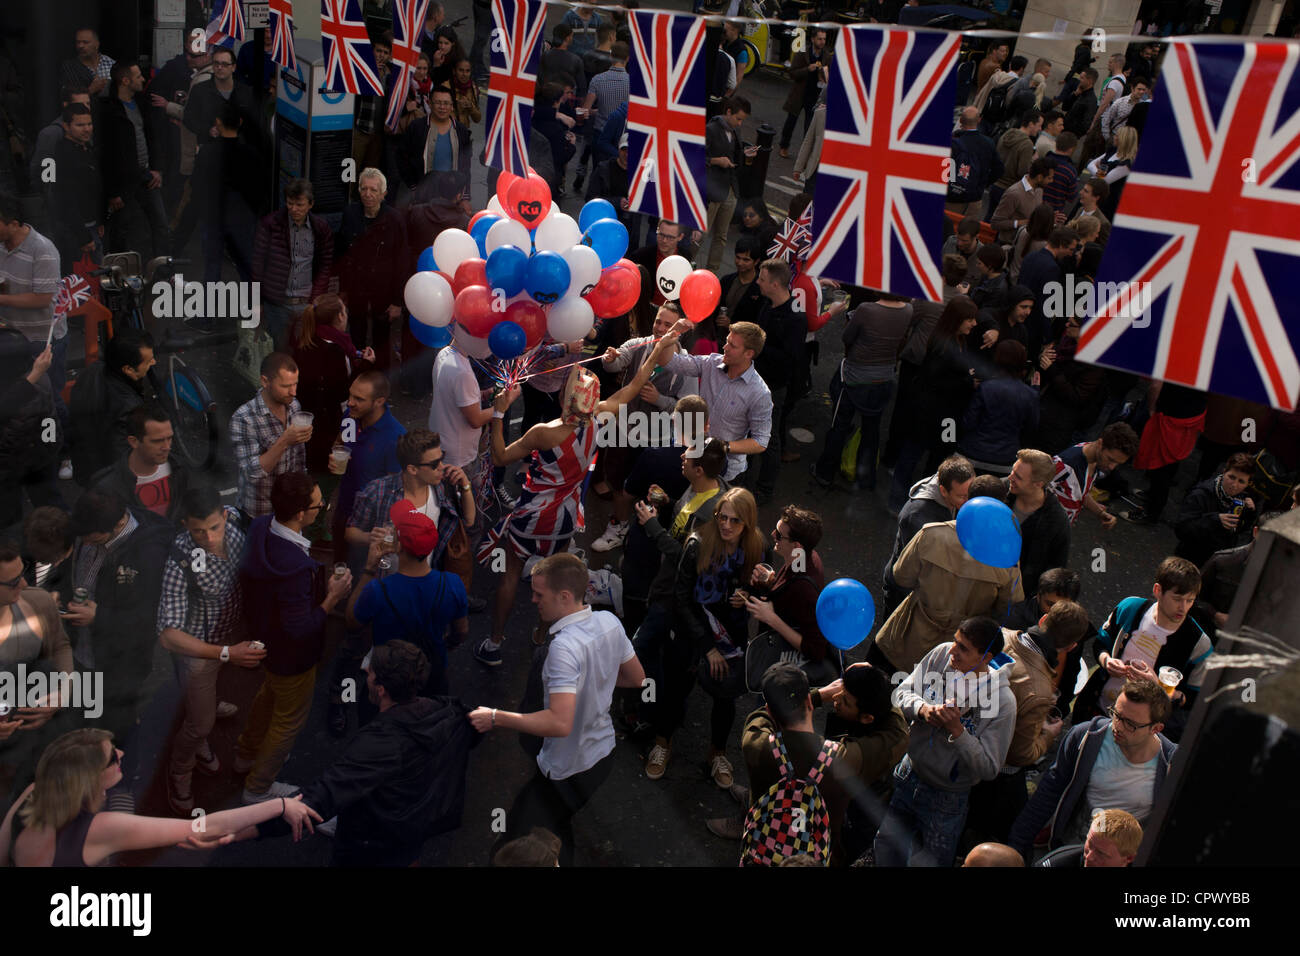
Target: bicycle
182,393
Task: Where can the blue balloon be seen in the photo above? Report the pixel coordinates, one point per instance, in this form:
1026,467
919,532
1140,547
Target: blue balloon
480,231
425,263
548,277
506,268
845,612
988,531
594,210
507,339
609,238
433,336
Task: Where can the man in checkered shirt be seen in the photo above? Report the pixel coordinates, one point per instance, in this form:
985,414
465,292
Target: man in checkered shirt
197,613
265,442
89,69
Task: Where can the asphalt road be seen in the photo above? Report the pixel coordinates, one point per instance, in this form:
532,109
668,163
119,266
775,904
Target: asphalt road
632,821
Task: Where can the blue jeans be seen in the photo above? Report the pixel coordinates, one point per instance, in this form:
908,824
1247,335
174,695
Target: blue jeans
923,824
868,401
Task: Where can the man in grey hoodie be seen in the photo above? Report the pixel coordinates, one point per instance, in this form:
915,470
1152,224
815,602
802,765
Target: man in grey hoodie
962,714
936,498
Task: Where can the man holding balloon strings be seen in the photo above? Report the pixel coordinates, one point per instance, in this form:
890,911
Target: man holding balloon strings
550,508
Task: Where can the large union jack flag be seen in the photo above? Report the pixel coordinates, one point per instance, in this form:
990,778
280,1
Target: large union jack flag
1209,224
516,46
665,117
349,61
408,23
881,183
227,21
280,20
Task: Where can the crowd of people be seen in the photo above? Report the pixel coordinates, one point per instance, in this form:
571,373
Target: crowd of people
969,731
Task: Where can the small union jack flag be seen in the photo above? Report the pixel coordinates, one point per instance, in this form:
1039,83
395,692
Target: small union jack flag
516,46
881,178
665,118
1206,238
227,21
73,292
793,241
408,23
280,20
349,61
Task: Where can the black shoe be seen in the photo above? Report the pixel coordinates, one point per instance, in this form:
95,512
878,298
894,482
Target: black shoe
477,605
816,475
338,719
578,180
1139,516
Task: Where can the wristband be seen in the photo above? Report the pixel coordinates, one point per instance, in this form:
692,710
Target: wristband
497,414
494,716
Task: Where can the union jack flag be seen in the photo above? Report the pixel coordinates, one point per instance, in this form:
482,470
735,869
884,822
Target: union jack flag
516,46
280,20
227,21
888,116
665,117
1207,235
73,292
408,23
349,61
794,240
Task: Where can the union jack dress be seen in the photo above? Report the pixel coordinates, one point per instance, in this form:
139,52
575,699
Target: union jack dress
550,510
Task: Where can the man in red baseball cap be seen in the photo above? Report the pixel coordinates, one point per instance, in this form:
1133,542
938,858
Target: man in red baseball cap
416,603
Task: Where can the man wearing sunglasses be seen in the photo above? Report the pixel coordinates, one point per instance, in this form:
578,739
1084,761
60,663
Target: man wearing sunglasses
1118,761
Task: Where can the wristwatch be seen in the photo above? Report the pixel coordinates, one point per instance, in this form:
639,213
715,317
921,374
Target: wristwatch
225,654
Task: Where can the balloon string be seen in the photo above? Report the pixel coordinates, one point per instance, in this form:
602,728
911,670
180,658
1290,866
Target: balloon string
560,368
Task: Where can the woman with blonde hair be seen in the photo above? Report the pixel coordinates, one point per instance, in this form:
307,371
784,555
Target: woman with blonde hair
1114,168
59,820
716,562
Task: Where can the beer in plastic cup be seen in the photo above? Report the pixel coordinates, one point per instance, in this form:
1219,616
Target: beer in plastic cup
302,419
1170,678
339,458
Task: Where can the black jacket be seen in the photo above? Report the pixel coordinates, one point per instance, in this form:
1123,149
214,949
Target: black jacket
206,103
399,781
75,198
228,174
115,135
371,260
1044,540
749,305
118,477
1199,530
783,349
719,181
24,407
97,419
689,621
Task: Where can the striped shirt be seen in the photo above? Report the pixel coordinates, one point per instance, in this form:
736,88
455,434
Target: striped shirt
32,268
1061,192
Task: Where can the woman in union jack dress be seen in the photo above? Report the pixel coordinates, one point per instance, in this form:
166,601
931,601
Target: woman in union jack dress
549,512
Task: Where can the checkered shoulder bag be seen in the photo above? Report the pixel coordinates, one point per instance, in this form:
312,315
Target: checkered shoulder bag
791,817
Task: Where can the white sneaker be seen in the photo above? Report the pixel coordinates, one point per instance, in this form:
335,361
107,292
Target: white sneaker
613,537
226,710
65,469
274,792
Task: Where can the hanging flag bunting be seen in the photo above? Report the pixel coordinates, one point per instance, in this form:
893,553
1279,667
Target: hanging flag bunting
665,118
1195,286
881,181
515,49
408,24
349,61
227,21
280,22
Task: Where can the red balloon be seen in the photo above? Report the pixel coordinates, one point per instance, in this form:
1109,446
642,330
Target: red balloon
530,317
700,293
504,182
473,310
617,291
468,273
528,201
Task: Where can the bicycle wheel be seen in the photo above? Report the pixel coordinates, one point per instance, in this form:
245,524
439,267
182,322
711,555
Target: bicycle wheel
193,415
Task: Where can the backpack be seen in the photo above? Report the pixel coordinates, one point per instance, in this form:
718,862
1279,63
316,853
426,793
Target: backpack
996,106
791,817
969,171
1271,481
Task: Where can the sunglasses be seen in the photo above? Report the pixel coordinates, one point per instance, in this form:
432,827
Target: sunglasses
12,583
1128,724
778,536
323,506
436,463
114,758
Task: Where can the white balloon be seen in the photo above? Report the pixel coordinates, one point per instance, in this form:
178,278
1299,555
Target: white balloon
584,269
669,276
451,248
495,207
507,232
468,344
557,233
429,298
570,319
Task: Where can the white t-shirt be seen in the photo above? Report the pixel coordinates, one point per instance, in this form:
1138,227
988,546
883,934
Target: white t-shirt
1117,784
588,649
430,506
1144,644
454,387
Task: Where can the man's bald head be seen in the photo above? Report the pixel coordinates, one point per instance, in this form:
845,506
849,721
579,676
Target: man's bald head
993,854
970,118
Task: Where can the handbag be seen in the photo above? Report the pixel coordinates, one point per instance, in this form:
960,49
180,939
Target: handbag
762,652
458,559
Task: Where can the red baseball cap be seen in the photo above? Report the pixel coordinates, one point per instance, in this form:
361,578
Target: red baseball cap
416,531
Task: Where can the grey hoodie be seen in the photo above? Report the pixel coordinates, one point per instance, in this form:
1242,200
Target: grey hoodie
925,504
979,753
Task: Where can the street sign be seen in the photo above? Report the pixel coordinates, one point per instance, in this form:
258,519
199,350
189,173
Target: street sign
256,14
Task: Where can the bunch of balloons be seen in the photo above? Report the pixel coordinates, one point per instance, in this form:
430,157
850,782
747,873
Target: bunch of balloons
524,269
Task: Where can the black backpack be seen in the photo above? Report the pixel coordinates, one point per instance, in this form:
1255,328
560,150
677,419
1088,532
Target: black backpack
969,170
996,107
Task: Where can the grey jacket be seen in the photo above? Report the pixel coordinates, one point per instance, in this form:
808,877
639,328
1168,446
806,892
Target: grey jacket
718,182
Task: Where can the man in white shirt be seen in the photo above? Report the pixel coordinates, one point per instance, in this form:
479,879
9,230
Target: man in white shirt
589,655
458,415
